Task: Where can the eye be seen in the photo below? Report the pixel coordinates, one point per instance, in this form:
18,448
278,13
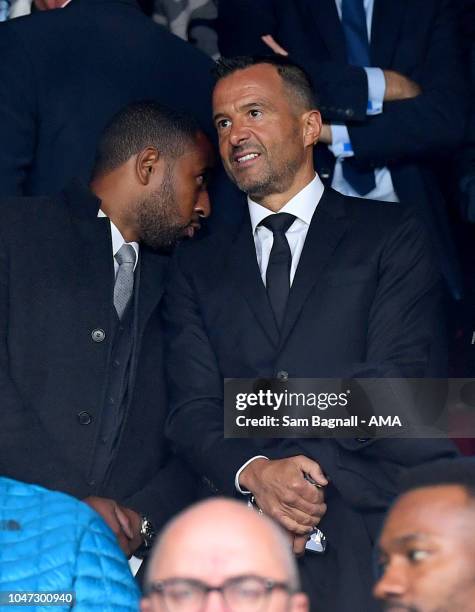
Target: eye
417,555
222,124
255,113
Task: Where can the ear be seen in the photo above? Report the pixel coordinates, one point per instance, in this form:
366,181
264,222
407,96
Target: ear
147,163
299,603
312,125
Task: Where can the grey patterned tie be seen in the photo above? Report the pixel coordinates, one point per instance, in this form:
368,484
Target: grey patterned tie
124,281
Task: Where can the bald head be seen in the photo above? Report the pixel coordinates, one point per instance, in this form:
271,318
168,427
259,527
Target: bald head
221,539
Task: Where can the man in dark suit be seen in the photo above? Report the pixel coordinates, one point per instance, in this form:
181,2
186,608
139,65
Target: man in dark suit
63,75
82,395
313,284
393,105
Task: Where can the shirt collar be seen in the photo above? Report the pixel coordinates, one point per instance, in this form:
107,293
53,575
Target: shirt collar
118,239
302,205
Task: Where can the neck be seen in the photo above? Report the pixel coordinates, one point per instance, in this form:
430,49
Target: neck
115,203
276,201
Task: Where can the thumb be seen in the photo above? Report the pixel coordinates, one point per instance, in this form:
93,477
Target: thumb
312,471
124,521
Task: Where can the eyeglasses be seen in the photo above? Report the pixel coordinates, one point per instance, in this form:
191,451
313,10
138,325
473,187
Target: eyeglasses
241,593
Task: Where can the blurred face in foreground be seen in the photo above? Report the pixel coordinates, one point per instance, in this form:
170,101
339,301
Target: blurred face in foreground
428,552
222,544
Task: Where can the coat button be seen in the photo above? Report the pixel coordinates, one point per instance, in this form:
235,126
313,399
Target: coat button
84,418
98,335
349,112
283,375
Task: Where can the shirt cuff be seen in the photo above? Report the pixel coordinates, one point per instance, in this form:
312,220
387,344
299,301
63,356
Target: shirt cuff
376,90
341,143
238,473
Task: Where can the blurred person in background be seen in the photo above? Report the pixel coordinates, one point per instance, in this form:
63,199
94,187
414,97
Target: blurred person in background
221,555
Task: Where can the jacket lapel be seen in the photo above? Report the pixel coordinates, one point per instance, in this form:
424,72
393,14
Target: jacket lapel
325,17
385,30
244,272
328,225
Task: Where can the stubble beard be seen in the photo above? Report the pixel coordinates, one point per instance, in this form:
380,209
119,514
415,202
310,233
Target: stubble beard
158,216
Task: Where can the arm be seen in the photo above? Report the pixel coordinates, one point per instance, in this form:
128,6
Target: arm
17,113
26,453
427,123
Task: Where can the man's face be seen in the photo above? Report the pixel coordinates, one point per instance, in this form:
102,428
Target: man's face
261,134
210,556
174,208
428,552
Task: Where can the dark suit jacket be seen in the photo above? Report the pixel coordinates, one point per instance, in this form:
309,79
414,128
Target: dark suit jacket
56,288
365,296
415,37
63,75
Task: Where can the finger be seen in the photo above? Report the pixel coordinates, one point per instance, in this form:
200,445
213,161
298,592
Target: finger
124,522
298,545
313,470
270,42
302,527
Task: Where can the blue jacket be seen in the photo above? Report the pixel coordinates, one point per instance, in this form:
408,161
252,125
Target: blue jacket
50,542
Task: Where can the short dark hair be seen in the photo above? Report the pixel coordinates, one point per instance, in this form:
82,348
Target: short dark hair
295,78
140,125
459,471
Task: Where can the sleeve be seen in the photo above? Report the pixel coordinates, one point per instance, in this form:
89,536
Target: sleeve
341,144
102,580
172,488
376,90
196,391
26,453
432,121
17,112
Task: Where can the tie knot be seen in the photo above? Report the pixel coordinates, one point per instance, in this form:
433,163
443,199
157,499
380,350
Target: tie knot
278,223
126,254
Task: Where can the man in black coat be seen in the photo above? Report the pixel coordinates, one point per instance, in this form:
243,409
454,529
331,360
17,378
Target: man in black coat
345,285
394,115
82,396
65,72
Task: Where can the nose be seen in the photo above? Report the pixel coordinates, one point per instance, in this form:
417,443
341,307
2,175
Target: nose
239,133
392,584
203,207
215,603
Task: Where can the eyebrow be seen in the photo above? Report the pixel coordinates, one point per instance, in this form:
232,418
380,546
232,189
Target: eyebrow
247,106
407,539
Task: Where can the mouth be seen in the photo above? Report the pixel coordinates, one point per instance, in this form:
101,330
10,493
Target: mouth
190,230
243,160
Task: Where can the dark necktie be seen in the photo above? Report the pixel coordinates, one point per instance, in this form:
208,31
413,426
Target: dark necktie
280,260
124,281
353,21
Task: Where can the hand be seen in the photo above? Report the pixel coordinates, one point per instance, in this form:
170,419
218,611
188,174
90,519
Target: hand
326,134
45,5
270,42
124,522
282,492
399,87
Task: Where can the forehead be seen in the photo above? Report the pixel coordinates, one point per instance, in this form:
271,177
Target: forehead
214,556
199,154
256,83
441,511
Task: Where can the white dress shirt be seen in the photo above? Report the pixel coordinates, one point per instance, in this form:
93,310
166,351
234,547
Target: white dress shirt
118,241
341,144
303,205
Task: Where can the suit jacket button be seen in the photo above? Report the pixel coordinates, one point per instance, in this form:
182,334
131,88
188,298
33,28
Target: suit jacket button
98,335
84,418
283,375
349,112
